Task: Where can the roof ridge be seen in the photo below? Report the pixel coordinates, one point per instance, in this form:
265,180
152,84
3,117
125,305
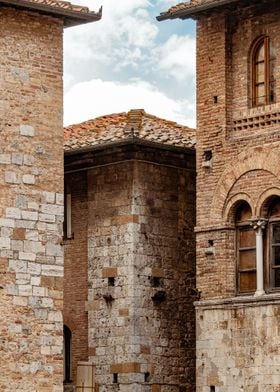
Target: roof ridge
134,122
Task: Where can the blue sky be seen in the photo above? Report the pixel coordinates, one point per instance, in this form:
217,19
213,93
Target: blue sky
129,60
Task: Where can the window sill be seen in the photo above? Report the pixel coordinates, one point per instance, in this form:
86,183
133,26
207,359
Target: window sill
240,301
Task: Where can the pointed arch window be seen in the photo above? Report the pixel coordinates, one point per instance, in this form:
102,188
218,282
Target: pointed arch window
263,72
246,250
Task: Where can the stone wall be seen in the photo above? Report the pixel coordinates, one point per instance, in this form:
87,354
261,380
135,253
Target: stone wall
238,346
141,267
233,354
31,202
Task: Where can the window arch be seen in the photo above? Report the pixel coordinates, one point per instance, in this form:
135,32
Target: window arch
246,249
263,72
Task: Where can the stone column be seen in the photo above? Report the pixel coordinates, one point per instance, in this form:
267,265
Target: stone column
259,226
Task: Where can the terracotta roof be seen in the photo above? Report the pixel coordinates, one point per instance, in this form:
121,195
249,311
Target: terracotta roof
136,124
72,14
189,8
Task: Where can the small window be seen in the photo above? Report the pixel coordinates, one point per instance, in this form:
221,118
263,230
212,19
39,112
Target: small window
246,250
67,353
67,226
274,242
263,72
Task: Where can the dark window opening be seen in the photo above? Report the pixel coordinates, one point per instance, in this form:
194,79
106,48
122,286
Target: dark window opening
67,342
111,281
115,378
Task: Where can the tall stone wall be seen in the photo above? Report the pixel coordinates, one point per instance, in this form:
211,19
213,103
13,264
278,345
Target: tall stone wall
141,267
31,202
244,142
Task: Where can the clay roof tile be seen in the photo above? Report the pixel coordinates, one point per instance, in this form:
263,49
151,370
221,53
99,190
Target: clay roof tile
126,126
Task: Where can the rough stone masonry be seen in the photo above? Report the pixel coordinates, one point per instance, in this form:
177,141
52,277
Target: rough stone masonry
31,196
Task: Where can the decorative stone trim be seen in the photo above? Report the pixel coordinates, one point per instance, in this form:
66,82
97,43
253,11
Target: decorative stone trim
237,302
257,121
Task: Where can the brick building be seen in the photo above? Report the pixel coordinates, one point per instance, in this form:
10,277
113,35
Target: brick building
31,192
129,252
238,193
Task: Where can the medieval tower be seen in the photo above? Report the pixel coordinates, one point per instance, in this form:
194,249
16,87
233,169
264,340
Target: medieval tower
238,193
31,192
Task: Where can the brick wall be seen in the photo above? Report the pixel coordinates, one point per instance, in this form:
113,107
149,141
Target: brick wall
76,270
31,200
245,146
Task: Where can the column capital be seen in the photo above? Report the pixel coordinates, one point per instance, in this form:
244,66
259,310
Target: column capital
258,223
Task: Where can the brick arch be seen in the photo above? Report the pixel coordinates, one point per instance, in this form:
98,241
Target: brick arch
265,199
232,204
253,159
69,323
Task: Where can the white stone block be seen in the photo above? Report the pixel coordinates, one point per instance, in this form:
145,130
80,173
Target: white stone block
28,179
14,213
48,197
60,199
7,222
5,159
11,177
28,160
53,250
17,159
26,130
40,291
30,215
33,247
52,270
18,266
35,281
25,290
47,218
55,315
34,268
5,243
32,235
27,256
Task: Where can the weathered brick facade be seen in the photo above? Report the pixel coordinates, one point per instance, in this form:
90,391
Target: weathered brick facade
31,195
134,204
238,345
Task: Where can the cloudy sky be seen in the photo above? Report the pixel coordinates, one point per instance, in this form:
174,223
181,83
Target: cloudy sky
128,60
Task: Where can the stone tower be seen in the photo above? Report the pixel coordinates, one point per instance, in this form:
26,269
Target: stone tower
31,192
238,193
130,253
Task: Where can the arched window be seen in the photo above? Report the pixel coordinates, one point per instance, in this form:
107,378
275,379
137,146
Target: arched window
246,250
67,337
263,72
274,244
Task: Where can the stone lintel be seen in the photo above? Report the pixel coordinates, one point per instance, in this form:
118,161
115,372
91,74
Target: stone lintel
128,367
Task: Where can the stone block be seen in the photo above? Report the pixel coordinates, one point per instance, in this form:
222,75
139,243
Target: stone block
27,130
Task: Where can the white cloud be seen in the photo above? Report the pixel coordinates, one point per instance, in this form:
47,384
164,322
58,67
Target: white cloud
126,46
177,57
95,98
125,27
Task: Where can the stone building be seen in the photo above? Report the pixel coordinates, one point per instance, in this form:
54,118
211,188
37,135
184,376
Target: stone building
129,280
238,193
31,192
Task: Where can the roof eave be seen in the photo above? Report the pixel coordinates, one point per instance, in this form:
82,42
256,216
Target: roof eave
128,141
190,12
70,17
